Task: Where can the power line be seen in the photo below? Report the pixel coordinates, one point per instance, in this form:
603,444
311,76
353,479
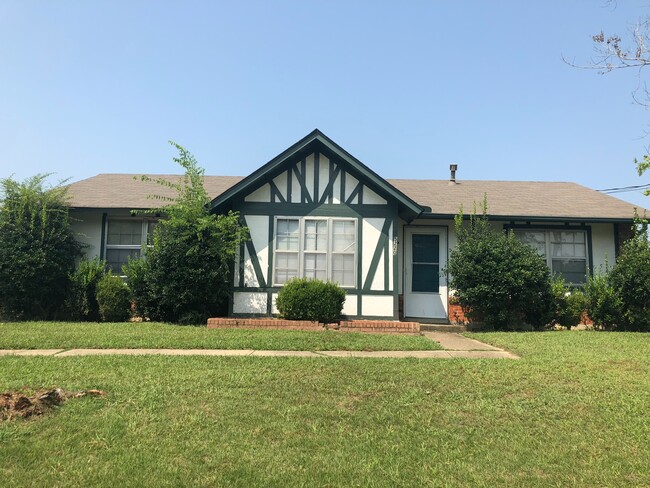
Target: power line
624,189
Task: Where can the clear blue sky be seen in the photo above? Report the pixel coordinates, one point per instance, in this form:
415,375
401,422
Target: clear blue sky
407,87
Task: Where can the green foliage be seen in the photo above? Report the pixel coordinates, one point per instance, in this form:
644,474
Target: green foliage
81,303
113,298
498,279
604,305
37,249
306,299
569,303
186,274
630,277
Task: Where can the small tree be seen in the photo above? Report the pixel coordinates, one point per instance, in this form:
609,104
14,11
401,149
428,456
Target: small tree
496,278
630,278
37,249
185,277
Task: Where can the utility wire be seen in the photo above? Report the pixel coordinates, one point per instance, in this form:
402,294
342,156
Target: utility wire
624,189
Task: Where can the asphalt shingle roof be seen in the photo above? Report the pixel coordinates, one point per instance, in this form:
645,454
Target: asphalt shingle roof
505,198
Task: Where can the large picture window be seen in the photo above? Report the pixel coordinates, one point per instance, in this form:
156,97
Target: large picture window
319,248
565,251
124,241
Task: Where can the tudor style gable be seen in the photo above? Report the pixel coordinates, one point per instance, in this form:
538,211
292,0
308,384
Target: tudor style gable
315,211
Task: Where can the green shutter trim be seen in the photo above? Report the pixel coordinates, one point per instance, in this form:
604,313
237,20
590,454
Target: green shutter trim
379,250
256,263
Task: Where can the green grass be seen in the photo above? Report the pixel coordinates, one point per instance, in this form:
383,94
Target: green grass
74,335
572,412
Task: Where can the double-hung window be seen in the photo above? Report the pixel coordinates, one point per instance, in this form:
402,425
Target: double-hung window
565,251
318,248
124,241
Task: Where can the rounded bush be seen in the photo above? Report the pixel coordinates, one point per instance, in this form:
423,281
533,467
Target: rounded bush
305,299
113,298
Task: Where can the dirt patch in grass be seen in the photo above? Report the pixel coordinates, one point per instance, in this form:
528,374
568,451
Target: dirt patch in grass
19,404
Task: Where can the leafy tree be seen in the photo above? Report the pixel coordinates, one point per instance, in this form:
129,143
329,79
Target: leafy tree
81,303
186,274
113,298
496,278
630,277
37,249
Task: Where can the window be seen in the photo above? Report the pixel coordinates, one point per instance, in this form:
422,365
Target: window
319,248
565,251
124,239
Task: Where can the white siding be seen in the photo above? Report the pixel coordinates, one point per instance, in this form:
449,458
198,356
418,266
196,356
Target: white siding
371,197
281,182
258,225
87,227
371,232
374,305
350,305
249,302
262,194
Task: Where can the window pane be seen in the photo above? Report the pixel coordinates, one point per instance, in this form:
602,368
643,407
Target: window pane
286,266
343,269
315,266
287,236
573,270
124,232
315,235
535,239
425,278
343,236
425,248
116,258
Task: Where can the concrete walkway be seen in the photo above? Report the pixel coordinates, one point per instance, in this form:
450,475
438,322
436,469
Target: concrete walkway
455,345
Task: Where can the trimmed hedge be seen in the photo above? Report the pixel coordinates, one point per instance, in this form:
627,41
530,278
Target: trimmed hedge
113,298
305,299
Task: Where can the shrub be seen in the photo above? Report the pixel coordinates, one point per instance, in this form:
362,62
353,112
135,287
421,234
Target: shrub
497,278
37,249
81,303
305,299
569,304
113,298
186,275
630,277
604,305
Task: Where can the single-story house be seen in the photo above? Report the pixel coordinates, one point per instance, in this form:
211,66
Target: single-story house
317,211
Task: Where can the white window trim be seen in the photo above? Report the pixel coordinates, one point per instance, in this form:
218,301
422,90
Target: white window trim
301,250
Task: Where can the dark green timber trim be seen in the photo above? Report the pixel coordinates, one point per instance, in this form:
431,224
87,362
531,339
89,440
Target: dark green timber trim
532,219
379,251
386,260
359,263
256,263
355,192
316,175
275,192
314,209
102,247
271,254
342,185
289,183
242,257
328,194
300,174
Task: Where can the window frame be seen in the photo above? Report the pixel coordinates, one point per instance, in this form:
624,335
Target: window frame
144,238
329,253
548,257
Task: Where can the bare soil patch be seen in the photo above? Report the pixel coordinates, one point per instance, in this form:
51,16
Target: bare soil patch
19,404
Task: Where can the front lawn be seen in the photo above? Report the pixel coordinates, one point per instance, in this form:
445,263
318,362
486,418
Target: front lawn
572,412
154,335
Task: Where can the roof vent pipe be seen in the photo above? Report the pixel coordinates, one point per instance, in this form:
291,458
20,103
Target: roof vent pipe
453,168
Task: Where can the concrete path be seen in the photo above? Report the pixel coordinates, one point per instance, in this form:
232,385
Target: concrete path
455,345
